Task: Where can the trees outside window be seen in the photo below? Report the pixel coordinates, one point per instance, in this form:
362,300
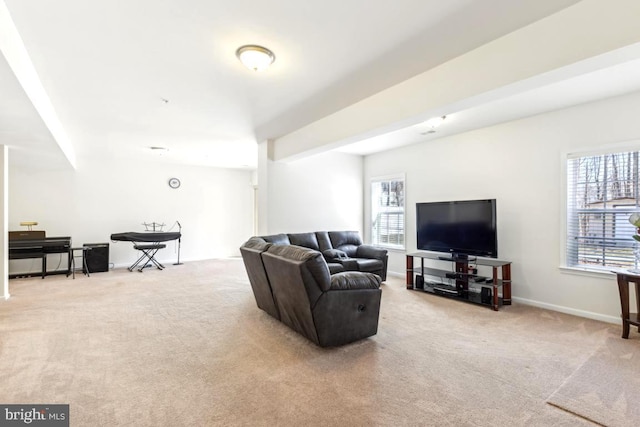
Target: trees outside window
602,192
387,212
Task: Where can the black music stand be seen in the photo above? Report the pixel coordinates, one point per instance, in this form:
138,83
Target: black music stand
179,242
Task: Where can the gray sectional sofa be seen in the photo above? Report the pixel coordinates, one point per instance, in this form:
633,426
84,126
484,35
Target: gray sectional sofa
294,284
343,250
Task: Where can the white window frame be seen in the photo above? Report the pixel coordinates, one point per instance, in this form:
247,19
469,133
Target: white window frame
400,211
566,264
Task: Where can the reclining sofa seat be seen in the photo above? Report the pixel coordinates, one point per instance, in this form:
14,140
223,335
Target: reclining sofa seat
366,258
330,310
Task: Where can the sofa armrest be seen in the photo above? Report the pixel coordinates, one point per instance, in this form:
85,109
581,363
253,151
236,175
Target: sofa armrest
350,280
368,251
334,254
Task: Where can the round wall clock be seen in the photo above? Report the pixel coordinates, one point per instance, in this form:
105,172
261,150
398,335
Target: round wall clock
174,183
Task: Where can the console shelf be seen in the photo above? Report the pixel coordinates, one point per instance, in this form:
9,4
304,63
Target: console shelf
464,282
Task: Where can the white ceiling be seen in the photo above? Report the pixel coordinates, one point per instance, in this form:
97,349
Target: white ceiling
125,75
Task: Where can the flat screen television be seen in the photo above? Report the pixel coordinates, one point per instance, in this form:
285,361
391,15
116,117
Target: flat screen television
461,228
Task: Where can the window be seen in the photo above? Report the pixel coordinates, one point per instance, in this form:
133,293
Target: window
602,191
387,212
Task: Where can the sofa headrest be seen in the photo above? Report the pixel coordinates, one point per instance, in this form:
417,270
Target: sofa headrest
277,239
257,243
347,241
324,242
306,240
339,238
312,261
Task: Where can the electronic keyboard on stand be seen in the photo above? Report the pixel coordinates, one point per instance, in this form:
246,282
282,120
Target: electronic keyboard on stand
148,244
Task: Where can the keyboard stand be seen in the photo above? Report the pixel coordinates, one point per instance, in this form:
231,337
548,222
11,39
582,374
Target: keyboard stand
147,257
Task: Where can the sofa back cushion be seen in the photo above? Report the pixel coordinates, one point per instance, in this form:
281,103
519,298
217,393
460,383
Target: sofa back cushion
251,252
346,241
257,243
306,240
311,264
323,241
277,239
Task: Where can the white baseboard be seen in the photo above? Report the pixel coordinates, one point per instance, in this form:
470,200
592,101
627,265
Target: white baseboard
569,310
167,263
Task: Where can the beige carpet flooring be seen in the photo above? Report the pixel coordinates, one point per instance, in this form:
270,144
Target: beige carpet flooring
606,388
187,346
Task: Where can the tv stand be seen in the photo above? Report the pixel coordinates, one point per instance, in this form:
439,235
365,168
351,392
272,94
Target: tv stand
464,283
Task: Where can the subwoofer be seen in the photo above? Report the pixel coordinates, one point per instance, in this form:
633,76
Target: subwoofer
97,257
419,282
486,295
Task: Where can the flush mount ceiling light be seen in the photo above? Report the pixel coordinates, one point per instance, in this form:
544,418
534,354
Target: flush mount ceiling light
254,57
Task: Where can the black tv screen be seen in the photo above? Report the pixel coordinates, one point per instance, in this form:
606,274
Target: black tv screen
460,227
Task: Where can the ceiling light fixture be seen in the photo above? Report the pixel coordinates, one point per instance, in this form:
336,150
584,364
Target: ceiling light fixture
254,57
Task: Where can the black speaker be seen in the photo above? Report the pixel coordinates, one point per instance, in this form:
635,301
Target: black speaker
419,282
485,295
97,257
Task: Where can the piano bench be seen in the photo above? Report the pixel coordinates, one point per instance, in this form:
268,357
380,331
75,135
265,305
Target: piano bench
146,247
147,258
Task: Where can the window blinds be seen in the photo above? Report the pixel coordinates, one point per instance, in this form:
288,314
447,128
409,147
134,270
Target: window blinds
387,212
602,192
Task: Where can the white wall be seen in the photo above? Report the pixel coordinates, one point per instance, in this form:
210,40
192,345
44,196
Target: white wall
101,197
520,164
320,192
4,225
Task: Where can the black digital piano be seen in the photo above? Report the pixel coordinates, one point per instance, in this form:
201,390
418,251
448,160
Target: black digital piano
34,244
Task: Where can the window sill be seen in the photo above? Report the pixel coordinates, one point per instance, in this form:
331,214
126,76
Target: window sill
391,248
605,273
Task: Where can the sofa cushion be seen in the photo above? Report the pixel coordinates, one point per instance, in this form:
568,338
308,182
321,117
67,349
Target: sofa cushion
314,264
354,280
277,239
367,264
335,267
306,240
257,243
323,240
